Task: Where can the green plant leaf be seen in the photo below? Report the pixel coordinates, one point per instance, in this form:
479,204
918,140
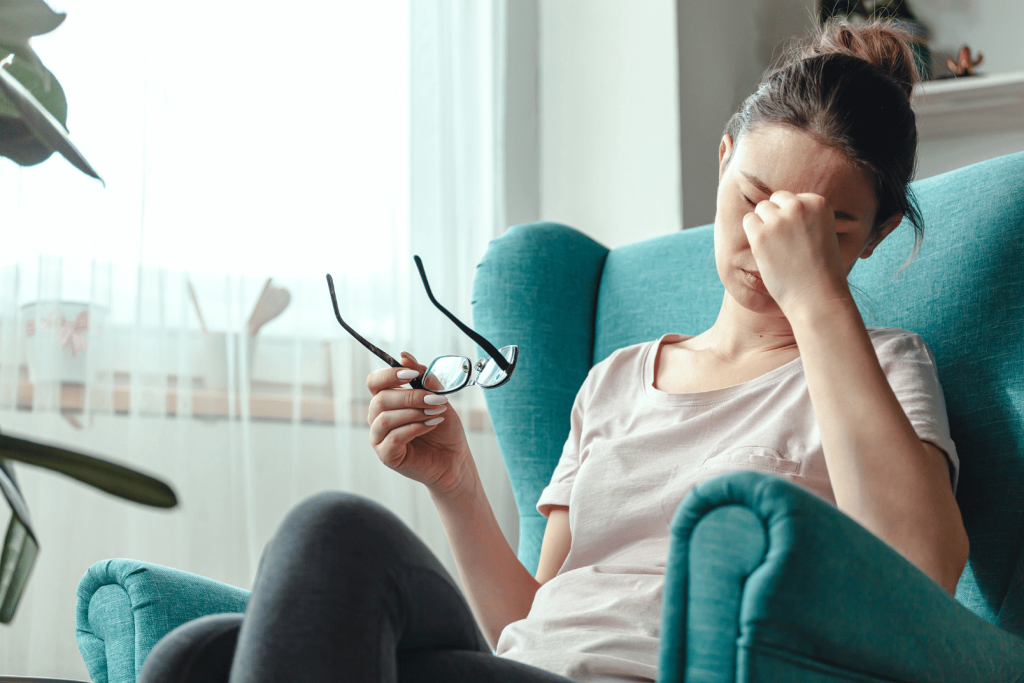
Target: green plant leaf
115,479
19,144
42,123
16,139
22,19
52,99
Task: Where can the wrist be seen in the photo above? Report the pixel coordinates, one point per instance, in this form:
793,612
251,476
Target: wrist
461,486
821,311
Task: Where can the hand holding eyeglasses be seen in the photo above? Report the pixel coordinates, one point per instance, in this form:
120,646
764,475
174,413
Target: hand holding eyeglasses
408,427
414,431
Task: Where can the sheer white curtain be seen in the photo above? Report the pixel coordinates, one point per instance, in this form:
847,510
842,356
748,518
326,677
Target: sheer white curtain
239,142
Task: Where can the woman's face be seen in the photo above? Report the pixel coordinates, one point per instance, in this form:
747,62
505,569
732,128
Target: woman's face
777,157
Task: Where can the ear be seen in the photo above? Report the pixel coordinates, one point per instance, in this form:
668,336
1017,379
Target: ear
881,234
724,153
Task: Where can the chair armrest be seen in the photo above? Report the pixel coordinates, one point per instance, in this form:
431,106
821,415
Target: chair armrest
126,606
765,581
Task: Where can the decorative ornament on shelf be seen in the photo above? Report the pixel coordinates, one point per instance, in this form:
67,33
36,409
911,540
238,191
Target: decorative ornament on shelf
964,64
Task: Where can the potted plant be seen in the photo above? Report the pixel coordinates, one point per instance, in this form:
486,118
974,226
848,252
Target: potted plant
33,112
897,10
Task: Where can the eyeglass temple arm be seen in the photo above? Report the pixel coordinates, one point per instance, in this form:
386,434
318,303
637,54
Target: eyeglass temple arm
380,353
487,346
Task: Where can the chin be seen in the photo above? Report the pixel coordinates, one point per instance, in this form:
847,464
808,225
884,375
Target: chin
751,299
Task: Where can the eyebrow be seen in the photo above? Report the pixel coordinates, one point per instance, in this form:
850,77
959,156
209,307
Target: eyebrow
761,187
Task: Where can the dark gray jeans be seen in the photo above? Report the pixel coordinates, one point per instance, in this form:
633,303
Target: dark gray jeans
344,592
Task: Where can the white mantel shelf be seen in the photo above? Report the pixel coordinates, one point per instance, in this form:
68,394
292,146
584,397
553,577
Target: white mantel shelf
967,106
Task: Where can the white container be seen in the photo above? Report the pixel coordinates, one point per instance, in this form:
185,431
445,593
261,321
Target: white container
209,358
59,336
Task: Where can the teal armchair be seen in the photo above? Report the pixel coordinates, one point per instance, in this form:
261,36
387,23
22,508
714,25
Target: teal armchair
765,582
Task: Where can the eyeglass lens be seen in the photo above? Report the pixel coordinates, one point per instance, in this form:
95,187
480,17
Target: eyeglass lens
450,373
490,374
447,373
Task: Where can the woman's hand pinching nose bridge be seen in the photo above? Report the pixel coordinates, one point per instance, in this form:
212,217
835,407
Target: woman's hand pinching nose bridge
793,240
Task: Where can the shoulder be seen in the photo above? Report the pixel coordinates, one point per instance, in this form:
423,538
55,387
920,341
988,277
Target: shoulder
897,343
624,366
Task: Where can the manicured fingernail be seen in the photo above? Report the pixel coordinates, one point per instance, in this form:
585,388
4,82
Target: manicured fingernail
406,374
434,421
435,411
435,400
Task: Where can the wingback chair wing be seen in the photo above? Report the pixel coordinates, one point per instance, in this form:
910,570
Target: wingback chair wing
764,581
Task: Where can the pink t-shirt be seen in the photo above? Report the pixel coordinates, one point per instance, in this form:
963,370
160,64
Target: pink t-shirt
632,455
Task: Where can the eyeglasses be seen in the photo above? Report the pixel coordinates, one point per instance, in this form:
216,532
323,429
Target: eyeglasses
20,546
448,374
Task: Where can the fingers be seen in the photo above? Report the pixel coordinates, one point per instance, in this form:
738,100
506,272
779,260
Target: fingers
815,202
393,447
768,209
390,378
752,221
404,399
389,422
782,197
432,382
409,361
796,202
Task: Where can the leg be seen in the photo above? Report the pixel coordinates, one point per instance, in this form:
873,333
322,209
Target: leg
199,651
344,587
444,666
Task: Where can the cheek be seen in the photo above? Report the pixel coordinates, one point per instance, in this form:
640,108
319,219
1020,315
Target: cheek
850,248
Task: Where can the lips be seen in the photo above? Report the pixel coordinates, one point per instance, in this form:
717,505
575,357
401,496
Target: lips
753,278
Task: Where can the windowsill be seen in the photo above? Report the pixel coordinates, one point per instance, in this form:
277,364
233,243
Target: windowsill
267,402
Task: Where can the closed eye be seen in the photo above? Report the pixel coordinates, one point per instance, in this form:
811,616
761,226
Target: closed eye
749,201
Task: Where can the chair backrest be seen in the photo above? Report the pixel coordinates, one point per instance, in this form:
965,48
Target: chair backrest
554,291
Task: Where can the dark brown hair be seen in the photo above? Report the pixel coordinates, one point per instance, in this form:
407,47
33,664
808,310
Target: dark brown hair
850,88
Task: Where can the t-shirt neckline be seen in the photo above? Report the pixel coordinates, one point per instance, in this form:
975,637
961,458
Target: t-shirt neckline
705,397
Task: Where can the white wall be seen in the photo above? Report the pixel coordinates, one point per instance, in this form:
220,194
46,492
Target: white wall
993,27
615,115
630,117
522,113
609,126
724,48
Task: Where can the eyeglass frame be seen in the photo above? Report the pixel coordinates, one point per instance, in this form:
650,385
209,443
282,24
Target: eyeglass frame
15,569
507,366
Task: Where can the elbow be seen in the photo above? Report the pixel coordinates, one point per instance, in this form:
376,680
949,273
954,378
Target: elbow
946,558
942,557
957,552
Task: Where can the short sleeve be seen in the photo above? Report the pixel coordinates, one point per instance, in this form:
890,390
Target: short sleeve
558,490
910,367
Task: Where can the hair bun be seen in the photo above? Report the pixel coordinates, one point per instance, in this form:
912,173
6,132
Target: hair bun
881,42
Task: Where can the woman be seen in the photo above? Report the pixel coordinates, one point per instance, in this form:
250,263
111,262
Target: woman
813,174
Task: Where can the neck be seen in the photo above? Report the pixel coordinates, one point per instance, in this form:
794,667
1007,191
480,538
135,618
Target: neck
739,333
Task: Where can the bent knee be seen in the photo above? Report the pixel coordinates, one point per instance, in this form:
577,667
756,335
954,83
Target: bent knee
344,518
334,507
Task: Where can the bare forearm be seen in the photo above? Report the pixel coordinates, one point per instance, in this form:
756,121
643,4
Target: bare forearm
498,587
881,473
